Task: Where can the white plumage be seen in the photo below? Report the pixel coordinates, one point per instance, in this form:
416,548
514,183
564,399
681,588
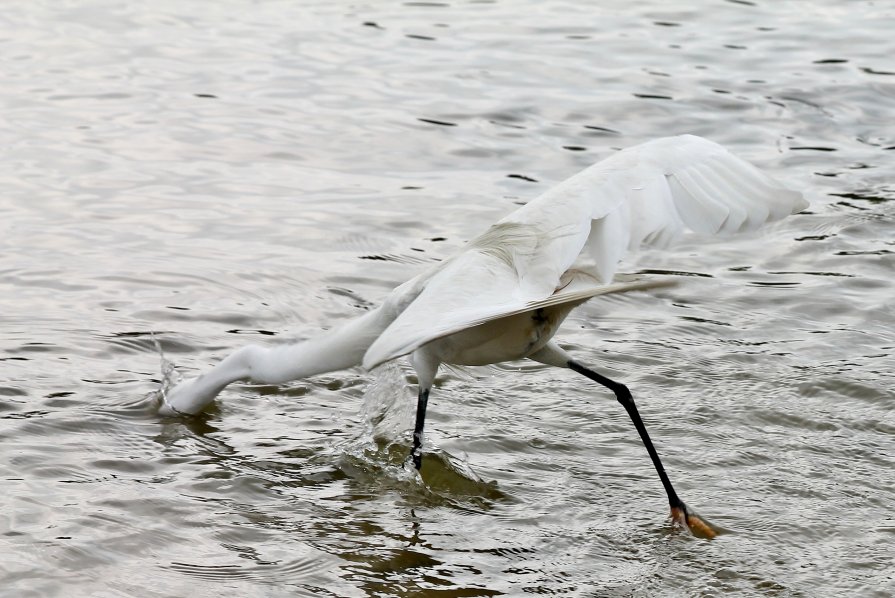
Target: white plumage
563,246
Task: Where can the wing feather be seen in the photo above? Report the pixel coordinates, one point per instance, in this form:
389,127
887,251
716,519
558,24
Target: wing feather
648,194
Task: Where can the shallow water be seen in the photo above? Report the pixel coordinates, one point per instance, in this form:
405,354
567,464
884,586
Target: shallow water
202,175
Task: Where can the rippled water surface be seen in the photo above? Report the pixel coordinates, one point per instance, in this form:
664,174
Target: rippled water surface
194,176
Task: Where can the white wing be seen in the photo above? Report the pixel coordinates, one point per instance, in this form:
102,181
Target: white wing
647,194
652,193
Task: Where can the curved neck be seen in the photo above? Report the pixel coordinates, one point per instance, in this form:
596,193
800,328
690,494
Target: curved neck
333,350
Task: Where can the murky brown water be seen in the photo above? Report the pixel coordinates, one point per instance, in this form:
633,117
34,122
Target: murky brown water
231,172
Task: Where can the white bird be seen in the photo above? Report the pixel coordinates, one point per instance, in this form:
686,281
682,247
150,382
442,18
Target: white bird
503,296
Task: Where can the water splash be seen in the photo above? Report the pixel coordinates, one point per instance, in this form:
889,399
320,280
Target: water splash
380,445
170,376
380,451
388,409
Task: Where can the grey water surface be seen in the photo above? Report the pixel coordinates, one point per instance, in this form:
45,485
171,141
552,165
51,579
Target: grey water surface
189,177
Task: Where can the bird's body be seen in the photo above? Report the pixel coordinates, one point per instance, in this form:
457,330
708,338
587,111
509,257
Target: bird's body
505,339
504,295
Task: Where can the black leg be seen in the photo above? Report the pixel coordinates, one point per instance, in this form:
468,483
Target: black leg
416,452
679,511
627,401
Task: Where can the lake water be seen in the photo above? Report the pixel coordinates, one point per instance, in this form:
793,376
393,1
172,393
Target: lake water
194,176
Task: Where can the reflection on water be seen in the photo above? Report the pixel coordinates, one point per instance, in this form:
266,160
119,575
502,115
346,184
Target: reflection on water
182,179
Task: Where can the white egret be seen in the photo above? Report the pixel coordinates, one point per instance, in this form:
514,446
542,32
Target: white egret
503,296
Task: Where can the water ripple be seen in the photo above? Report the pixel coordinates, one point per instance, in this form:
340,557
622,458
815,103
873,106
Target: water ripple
182,179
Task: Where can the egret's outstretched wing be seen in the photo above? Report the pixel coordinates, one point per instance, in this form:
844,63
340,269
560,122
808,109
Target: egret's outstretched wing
647,194
652,193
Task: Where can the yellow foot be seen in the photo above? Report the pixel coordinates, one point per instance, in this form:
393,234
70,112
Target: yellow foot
692,523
